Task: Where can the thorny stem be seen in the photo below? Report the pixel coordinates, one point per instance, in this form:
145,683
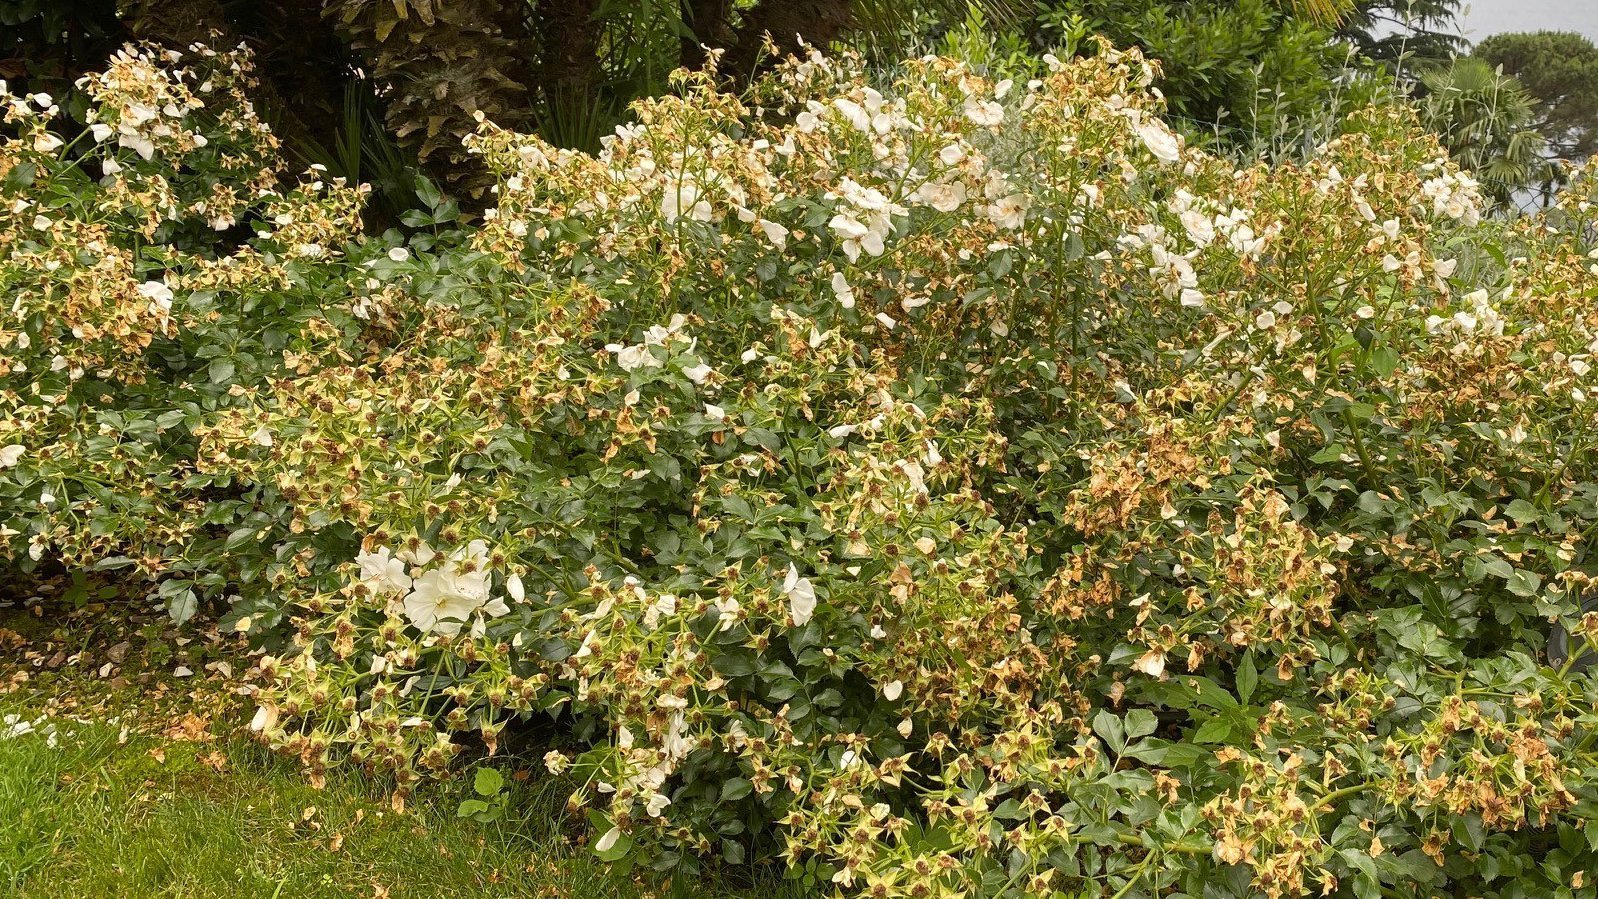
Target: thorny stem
1127,839
1342,634
1332,798
1230,398
1359,448
1136,878
1571,657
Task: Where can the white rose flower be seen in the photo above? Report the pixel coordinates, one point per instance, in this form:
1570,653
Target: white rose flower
265,718
383,573
421,555
801,596
1008,212
441,601
1199,227
138,143
851,231
842,290
777,234
11,455
159,295
1159,139
1151,663
942,197
473,554
913,472
985,113
854,113
683,196
633,357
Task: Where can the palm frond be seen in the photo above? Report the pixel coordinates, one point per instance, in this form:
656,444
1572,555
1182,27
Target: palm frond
893,27
1327,13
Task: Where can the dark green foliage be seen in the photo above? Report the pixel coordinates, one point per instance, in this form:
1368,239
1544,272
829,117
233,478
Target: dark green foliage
44,44
1399,32
1234,68
1559,69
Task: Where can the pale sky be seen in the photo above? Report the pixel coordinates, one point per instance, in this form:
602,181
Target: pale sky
1485,17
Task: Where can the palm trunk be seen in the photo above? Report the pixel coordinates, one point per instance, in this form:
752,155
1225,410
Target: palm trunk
569,39
711,24
789,24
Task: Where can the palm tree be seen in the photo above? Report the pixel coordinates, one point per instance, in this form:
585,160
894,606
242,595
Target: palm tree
1487,122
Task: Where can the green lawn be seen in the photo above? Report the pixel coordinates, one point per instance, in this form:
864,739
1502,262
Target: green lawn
132,799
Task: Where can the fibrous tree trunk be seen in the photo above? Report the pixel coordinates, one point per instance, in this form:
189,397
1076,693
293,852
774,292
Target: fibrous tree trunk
789,24
569,39
710,24
440,63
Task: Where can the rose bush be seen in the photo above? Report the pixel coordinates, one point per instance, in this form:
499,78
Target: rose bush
950,484
152,266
